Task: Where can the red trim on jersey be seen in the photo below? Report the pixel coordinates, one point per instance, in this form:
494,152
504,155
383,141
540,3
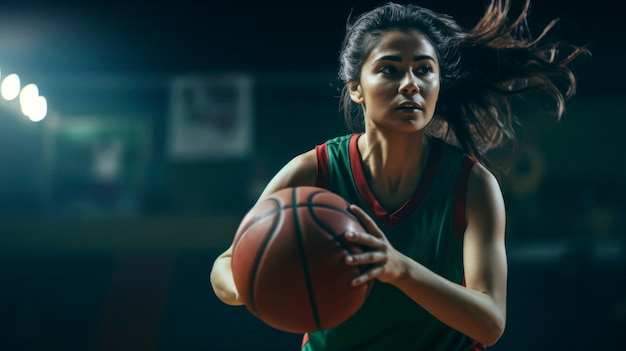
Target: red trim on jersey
408,207
460,193
322,166
478,346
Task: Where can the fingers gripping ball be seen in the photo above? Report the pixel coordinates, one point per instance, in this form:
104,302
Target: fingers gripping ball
288,260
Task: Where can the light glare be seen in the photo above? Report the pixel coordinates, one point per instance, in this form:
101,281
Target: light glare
10,87
28,99
39,109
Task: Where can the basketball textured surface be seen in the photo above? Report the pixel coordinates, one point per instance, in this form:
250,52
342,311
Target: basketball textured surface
288,260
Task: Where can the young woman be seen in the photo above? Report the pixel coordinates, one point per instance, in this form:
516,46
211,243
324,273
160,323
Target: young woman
432,99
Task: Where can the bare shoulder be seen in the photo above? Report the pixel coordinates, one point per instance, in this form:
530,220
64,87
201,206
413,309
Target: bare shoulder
482,179
299,171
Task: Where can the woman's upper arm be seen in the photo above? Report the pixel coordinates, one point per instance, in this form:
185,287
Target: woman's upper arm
484,253
300,171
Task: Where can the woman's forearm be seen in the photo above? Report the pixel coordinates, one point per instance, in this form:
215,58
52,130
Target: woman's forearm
471,312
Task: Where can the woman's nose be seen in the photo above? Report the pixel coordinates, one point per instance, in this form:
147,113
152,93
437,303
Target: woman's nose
408,85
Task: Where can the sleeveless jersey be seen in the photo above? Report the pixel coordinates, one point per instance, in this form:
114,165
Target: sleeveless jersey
428,228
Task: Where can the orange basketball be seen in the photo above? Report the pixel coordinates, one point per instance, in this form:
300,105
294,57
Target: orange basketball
288,260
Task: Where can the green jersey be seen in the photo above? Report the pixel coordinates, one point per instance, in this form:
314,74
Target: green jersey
428,228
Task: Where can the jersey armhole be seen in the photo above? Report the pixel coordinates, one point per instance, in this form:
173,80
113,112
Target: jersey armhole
321,166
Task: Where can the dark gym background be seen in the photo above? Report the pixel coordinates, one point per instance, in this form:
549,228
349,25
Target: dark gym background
108,231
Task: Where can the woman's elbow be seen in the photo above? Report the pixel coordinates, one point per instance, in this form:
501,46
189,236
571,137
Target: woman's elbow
495,332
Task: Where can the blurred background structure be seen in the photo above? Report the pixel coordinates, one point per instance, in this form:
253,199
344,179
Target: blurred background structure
156,125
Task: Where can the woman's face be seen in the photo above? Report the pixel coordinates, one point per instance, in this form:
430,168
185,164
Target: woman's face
399,83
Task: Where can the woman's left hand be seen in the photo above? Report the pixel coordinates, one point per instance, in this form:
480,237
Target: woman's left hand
384,261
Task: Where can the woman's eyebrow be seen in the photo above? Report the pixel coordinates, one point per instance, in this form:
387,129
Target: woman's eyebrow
399,59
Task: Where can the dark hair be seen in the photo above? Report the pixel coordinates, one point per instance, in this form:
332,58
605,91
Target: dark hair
483,70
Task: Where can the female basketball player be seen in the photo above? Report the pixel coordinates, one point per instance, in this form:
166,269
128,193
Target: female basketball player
432,98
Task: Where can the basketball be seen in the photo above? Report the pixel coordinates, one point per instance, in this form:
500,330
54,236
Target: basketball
288,260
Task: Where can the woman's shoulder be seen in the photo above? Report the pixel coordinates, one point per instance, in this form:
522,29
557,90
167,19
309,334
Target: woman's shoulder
301,170
342,139
483,183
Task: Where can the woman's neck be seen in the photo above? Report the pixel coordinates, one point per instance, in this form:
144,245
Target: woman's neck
394,166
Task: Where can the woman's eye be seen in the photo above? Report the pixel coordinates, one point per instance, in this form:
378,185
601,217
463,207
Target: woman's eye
388,69
424,69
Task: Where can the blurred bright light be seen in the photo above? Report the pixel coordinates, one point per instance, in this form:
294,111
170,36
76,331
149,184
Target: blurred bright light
39,109
32,105
28,99
10,87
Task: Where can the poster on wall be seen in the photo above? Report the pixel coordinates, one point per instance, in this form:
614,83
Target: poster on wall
210,117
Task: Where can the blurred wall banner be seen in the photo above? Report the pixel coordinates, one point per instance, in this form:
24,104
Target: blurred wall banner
210,117
96,165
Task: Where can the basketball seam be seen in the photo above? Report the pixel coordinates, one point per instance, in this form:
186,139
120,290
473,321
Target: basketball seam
260,217
326,229
303,259
260,255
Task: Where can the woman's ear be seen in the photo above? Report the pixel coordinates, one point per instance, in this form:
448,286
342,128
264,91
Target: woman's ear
355,93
